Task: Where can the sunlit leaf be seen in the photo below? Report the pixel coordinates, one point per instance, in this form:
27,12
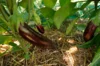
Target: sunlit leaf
49,3
4,39
63,2
71,26
63,13
60,16
47,12
24,3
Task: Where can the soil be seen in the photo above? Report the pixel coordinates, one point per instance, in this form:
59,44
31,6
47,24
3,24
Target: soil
67,55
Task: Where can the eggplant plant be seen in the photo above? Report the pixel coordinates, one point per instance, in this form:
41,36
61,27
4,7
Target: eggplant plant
14,18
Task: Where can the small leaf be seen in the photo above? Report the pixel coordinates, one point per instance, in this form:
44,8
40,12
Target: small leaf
36,17
15,47
96,59
50,3
70,27
47,12
80,27
27,56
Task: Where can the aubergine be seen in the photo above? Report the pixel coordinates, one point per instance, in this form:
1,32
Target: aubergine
35,38
89,31
40,28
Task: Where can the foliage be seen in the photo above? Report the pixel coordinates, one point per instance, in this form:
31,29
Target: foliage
47,12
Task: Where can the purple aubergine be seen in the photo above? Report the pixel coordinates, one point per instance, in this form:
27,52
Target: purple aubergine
40,28
89,31
35,38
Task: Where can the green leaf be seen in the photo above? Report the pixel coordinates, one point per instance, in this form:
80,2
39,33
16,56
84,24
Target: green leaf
86,44
47,12
97,30
36,17
27,56
63,13
96,18
80,27
24,3
2,30
16,19
70,27
96,59
4,39
62,2
85,4
4,25
15,47
49,3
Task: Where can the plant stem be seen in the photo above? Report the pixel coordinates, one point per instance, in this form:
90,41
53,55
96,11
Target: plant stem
29,10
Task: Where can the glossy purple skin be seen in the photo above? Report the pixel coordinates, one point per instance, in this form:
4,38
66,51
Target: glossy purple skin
89,31
35,38
40,28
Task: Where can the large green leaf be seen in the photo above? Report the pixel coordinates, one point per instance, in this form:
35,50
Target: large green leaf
47,12
65,11
27,4
49,3
96,59
16,19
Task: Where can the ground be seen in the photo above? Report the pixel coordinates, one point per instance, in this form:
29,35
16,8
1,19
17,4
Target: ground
67,55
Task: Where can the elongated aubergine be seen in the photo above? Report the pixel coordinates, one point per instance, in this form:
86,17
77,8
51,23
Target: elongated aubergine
35,38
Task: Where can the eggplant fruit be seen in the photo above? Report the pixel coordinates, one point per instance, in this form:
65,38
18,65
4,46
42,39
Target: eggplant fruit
89,31
35,38
40,28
